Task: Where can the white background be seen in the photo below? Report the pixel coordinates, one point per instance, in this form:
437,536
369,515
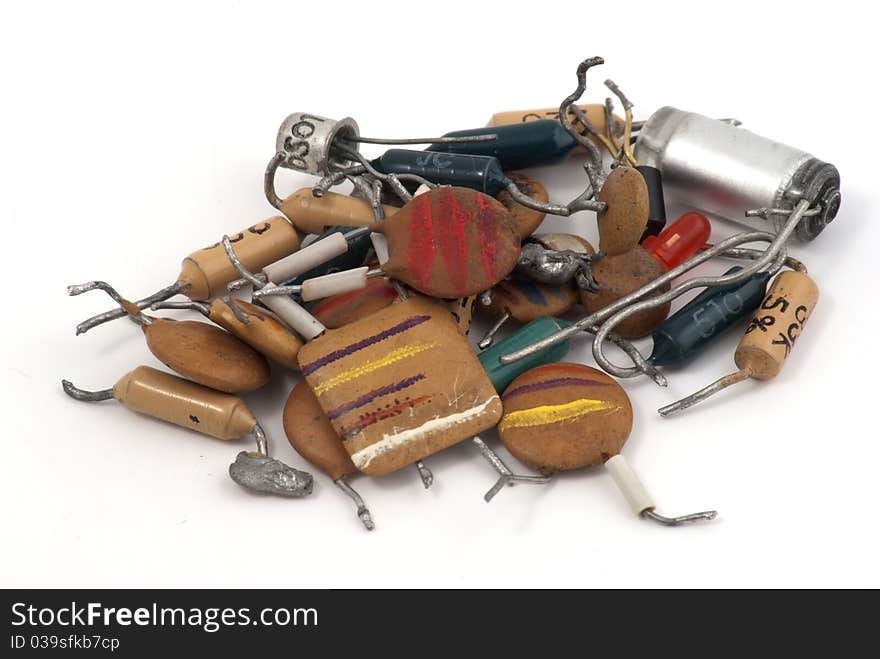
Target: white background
134,134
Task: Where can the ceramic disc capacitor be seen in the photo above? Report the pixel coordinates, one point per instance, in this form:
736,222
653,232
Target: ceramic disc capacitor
340,310
310,434
523,300
260,329
769,338
561,417
722,169
400,385
200,351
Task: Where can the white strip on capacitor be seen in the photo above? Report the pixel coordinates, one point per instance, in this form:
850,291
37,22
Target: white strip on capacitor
307,258
629,484
300,320
333,284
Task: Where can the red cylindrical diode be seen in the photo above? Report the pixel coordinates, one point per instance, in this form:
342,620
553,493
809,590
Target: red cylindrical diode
680,240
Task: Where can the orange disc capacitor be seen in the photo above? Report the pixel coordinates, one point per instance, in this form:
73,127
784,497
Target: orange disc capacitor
451,243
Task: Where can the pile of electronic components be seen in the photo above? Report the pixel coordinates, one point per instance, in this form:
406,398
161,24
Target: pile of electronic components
370,295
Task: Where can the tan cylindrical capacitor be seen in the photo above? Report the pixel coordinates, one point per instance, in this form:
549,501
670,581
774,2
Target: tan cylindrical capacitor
595,115
311,214
187,404
204,274
769,338
776,325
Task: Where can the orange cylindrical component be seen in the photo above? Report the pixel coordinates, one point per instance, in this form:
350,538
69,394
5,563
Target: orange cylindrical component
776,325
184,403
204,274
263,332
311,214
680,240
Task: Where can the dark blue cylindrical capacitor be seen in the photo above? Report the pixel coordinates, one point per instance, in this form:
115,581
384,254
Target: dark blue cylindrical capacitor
481,173
358,248
691,328
517,146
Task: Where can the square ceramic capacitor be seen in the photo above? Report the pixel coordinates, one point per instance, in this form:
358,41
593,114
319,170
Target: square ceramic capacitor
400,385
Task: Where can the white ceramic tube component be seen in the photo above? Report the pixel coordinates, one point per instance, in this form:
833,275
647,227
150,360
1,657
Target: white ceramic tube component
629,484
307,258
299,320
333,284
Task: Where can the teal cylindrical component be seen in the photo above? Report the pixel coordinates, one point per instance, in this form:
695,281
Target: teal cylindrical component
691,328
517,146
481,173
502,375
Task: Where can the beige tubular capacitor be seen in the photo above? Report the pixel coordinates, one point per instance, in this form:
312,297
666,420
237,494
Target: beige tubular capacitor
769,338
205,273
594,111
311,214
178,401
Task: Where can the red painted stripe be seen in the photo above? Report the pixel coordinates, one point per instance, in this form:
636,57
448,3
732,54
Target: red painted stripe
381,414
451,227
420,253
487,225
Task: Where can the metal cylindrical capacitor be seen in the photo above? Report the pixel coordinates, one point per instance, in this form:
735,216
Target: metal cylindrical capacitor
691,328
714,166
184,403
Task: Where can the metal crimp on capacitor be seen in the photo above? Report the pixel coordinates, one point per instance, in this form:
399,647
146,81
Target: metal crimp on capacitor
717,167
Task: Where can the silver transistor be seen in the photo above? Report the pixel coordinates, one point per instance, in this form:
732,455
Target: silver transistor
717,167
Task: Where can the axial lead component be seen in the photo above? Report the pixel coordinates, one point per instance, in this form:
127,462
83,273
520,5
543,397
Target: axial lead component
769,338
189,405
717,167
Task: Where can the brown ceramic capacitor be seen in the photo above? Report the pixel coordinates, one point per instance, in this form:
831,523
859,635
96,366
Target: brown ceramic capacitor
617,277
526,220
625,217
560,417
201,352
339,310
256,326
399,385
450,243
523,300
312,436
769,338
563,242
594,112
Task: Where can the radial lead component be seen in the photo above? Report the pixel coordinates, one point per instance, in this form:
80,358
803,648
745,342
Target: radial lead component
717,167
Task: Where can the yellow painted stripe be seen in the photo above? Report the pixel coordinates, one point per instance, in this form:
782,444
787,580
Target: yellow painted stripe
545,414
394,356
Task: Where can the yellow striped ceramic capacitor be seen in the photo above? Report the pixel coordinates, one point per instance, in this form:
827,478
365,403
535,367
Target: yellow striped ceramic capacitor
560,417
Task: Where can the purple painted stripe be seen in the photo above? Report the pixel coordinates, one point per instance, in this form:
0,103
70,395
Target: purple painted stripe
552,384
364,343
368,398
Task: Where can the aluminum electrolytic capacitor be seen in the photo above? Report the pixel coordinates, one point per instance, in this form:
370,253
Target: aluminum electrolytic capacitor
717,167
